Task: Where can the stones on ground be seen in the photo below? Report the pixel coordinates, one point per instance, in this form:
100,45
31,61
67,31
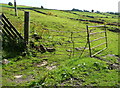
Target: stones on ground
18,76
113,66
50,49
69,50
42,48
42,64
36,36
50,67
78,48
5,61
81,48
69,41
37,48
45,63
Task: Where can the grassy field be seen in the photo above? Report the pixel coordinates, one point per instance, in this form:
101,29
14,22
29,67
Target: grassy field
61,68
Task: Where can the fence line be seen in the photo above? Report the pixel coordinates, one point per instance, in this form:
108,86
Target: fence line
62,31
75,43
66,43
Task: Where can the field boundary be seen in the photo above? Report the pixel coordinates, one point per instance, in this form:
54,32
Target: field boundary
65,41
86,44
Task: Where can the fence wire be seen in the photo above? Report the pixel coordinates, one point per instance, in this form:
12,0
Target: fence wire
71,44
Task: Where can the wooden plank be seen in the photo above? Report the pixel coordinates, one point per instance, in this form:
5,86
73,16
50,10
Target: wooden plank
98,52
9,28
7,35
97,26
8,32
97,39
11,25
97,32
98,45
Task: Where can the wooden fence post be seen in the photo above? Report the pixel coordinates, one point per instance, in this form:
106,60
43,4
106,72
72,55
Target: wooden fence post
26,28
72,43
88,41
16,14
106,35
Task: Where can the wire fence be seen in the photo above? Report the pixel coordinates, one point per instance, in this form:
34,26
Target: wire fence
65,43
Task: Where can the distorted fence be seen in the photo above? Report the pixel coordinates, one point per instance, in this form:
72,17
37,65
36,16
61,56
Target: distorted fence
97,39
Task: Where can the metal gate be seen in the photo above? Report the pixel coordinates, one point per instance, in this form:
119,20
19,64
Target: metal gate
90,32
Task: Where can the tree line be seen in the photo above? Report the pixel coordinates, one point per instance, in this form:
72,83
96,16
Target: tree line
74,9
93,11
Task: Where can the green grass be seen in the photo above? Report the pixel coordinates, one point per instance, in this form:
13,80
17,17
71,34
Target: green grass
66,71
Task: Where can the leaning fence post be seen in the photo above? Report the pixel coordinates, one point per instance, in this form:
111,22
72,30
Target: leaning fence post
26,28
88,41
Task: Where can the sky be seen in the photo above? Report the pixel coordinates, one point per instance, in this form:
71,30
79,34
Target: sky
96,5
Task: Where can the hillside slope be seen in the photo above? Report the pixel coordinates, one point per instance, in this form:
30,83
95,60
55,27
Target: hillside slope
60,68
